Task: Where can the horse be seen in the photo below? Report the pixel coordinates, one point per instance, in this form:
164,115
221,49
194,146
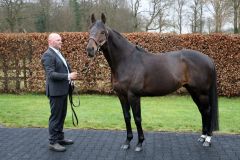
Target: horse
136,73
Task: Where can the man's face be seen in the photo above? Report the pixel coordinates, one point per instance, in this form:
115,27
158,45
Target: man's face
55,41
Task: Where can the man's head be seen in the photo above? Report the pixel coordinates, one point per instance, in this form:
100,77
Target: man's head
55,40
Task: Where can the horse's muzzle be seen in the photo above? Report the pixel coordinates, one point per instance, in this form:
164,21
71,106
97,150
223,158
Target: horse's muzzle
90,51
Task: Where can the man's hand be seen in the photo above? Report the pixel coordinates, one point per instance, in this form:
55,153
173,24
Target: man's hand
73,75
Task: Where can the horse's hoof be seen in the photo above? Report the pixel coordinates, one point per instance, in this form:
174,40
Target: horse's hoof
138,149
207,144
201,139
125,146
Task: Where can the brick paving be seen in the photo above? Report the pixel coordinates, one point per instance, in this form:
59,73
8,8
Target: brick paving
32,144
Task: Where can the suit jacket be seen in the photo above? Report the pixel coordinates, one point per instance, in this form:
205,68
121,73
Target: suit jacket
57,83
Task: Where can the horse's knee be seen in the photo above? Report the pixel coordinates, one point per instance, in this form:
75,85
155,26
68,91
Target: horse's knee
138,120
127,117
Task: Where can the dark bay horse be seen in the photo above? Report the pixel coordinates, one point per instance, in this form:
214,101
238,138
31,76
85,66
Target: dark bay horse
136,73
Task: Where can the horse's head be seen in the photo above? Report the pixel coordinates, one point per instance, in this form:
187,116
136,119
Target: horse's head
97,35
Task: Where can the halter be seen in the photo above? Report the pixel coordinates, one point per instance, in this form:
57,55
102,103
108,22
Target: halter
99,45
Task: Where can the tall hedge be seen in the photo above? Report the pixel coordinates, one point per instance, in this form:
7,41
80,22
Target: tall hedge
21,69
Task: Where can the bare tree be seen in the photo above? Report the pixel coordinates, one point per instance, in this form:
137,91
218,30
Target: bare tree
118,12
123,15
197,16
42,21
158,15
209,24
153,13
236,15
162,19
135,7
221,12
85,12
180,13
13,12
62,19
238,19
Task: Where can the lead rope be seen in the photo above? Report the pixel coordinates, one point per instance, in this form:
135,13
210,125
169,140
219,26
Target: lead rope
74,115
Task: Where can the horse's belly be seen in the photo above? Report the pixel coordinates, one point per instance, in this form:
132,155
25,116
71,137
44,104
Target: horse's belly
156,92
160,88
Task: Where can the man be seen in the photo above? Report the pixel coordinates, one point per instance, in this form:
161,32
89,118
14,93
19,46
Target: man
58,81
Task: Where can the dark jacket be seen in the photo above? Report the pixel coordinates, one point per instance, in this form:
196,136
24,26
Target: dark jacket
57,83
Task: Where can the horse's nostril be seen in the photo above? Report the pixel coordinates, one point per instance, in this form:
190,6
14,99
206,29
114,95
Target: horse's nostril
90,49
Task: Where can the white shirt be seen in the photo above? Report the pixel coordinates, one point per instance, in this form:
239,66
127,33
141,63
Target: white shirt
61,57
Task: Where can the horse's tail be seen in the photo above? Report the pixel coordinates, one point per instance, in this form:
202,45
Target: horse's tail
213,97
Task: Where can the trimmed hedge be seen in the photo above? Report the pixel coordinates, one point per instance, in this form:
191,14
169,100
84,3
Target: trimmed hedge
21,69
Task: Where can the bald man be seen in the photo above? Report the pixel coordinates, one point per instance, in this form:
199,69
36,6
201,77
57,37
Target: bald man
58,81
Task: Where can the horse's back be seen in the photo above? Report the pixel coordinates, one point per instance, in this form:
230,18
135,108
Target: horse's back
197,57
172,70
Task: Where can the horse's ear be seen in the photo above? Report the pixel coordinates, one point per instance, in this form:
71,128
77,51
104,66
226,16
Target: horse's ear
93,18
103,17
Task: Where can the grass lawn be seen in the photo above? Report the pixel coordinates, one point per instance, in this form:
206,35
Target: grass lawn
168,113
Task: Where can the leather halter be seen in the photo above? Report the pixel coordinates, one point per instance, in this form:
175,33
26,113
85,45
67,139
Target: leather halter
99,45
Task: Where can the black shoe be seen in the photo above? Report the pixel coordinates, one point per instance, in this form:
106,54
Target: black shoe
65,142
57,147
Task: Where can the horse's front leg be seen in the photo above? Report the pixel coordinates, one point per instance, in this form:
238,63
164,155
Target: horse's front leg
136,109
127,118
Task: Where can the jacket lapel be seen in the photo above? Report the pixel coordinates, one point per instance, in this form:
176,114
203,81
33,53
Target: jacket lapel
55,54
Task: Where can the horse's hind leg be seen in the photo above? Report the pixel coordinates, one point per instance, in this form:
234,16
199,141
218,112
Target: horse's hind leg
136,109
202,101
206,119
127,117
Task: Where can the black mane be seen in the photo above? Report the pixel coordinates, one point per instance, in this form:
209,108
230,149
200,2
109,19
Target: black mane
121,36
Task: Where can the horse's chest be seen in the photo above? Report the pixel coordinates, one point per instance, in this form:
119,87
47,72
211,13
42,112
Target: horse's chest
120,86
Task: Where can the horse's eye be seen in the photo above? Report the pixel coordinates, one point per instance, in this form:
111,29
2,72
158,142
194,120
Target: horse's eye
103,32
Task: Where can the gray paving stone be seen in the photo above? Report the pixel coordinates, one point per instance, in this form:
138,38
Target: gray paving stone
32,144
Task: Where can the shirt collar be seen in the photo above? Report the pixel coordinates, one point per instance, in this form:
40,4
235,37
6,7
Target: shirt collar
55,50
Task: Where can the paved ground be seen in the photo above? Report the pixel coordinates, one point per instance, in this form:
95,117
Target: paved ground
32,144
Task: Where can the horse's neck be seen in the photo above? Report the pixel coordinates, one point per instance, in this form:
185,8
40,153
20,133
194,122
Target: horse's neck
118,50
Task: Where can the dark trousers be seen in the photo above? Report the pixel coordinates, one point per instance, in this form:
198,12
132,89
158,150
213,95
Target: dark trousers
58,105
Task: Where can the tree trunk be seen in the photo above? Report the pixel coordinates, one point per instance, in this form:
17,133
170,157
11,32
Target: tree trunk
235,19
